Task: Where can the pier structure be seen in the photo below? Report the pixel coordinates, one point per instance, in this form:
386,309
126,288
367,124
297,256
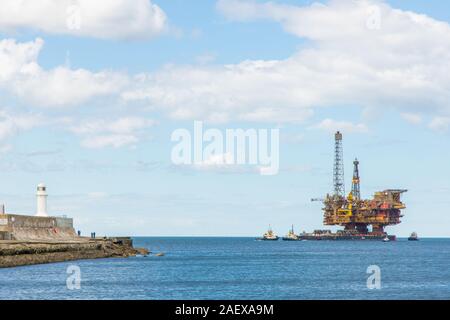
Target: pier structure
42,238
39,227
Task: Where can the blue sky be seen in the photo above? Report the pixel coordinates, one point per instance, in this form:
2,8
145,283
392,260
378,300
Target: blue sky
90,113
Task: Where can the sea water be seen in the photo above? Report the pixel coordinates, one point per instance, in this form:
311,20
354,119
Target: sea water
242,268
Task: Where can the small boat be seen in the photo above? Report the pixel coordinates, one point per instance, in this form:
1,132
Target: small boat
386,239
413,237
269,236
291,236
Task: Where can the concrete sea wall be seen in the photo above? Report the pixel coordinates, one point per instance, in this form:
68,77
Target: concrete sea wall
26,228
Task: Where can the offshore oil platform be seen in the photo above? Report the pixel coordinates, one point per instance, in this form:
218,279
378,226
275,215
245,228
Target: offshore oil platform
362,219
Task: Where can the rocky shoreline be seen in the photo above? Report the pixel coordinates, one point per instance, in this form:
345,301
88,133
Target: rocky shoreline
21,253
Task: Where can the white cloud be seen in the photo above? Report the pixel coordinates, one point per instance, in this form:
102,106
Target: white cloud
97,195
206,58
18,58
12,124
216,160
106,19
112,140
292,138
399,61
399,64
124,125
331,125
118,133
342,20
66,87
260,91
223,163
440,124
60,87
21,74
412,118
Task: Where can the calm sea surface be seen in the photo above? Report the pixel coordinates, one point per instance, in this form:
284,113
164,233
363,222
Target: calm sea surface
241,268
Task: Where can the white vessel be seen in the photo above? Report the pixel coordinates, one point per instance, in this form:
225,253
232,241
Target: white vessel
269,236
291,236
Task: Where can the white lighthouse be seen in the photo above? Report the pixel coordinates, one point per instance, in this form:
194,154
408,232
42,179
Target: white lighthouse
41,196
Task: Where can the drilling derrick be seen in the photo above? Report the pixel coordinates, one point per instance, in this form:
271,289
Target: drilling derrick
356,215
338,172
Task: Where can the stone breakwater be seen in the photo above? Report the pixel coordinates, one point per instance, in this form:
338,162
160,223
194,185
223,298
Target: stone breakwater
21,253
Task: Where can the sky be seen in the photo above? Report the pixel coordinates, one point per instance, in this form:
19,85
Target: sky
91,92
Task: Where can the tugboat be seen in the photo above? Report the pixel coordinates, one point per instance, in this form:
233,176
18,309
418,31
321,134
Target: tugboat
291,236
269,236
413,237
